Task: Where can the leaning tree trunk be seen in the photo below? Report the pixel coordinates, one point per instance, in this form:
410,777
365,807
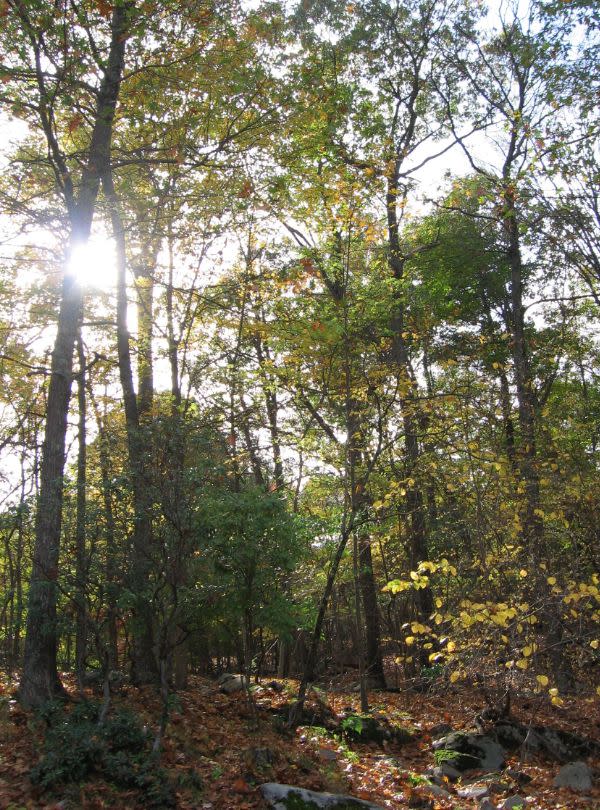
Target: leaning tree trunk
40,681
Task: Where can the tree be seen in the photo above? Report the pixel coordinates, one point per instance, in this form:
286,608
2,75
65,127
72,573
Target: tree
43,69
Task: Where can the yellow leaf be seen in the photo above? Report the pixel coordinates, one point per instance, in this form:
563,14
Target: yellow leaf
598,690
594,644
451,646
417,627
557,701
409,640
523,573
438,602
455,676
553,691
542,680
522,663
527,651
551,580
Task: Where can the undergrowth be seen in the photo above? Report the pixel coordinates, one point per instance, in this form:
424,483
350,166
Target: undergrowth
77,749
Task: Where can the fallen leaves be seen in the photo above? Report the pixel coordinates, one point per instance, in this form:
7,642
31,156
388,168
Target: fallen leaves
210,737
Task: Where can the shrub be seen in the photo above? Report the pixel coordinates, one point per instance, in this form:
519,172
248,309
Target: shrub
77,748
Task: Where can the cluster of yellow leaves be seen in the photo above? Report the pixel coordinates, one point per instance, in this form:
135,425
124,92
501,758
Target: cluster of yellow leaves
420,578
511,623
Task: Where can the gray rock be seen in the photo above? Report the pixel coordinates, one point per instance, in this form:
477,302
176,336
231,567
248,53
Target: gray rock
473,792
229,683
574,775
473,751
328,755
95,677
562,746
486,804
286,797
513,803
440,729
446,771
434,791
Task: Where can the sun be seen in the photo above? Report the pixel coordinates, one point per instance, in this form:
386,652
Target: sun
94,264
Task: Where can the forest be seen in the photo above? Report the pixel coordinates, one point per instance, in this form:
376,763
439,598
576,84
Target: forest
300,404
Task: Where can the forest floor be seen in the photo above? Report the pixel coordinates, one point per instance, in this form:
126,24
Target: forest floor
218,754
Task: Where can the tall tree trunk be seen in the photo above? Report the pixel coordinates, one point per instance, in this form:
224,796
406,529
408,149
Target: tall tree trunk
80,529
418,541
110,566
40,681
272,406
311,656
531,520
366,576
19,551
144,286
144,668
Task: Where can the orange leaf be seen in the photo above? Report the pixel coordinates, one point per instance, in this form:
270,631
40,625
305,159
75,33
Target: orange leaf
75,123
104,7
247,189
241,786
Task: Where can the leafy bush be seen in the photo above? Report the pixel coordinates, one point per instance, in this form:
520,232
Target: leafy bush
77,748
363,728
353,723
123,732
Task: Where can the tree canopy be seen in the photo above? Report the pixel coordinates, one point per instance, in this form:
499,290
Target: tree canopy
299,343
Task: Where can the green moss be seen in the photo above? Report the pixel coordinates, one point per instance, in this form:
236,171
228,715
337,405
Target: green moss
294,801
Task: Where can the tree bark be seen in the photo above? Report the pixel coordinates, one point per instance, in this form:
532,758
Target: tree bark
40,681
110,566
531,520
144,667
80,528
418,542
